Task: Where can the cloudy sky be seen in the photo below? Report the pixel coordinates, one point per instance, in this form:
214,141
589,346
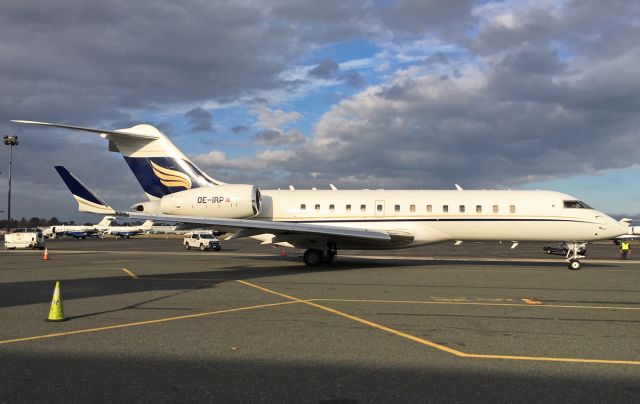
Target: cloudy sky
362,94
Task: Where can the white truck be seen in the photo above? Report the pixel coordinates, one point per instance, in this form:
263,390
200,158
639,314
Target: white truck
24,238
203,241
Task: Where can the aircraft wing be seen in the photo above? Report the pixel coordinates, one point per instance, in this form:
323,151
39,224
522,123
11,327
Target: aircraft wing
284,229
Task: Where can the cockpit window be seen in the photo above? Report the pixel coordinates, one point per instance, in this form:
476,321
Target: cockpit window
576,205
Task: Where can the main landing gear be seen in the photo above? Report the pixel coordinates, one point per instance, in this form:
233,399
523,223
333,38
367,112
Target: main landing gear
574,255
313,256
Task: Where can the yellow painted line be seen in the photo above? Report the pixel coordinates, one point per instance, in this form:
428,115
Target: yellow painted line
131,274
188,279
493,300
451,299
359,320
311,302
549,306
531,301
552,359
139,323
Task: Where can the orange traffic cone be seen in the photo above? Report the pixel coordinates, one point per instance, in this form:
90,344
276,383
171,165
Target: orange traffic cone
283,253
45,257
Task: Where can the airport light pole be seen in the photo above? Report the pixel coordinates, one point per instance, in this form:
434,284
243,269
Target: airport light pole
10,141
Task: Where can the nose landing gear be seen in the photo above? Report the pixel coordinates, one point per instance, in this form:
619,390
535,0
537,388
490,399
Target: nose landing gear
574,255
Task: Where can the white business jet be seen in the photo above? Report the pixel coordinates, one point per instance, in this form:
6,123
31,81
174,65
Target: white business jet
323,222
75,231
121,231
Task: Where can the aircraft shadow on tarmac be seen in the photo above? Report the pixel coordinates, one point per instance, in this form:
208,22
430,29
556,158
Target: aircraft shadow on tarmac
343,263
33,292
90,377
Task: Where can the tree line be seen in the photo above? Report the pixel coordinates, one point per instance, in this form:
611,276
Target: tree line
35,222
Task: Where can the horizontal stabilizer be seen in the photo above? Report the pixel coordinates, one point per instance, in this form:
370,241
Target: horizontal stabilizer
108,133
87,200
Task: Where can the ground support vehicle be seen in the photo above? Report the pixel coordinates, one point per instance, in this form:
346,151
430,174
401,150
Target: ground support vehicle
203,241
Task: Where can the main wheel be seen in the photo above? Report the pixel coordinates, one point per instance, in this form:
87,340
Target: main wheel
202,247
187,246
312,257
328,258
574,264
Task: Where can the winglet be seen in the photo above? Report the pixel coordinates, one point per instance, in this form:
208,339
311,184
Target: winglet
87,200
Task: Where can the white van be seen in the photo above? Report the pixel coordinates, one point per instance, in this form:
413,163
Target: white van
24,238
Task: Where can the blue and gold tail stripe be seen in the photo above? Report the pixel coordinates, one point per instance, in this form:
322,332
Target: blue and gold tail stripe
171,178
160,176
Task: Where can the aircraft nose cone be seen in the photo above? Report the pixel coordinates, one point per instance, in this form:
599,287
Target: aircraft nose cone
617,229
611,228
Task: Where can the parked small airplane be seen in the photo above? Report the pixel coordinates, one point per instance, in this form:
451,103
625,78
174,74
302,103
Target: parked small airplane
75,231
324,221
125,231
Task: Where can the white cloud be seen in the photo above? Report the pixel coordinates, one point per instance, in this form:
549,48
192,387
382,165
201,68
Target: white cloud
274,118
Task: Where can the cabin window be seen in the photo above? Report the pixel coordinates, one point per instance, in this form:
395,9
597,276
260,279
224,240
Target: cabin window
576,205
317,206
303,206
397,208
462,208
478,208
348,208
495,209
379,208
512,208
412,208
445,208
332,207
429,208
363,208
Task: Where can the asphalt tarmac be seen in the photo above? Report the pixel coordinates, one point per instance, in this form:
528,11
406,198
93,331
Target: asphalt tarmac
150,322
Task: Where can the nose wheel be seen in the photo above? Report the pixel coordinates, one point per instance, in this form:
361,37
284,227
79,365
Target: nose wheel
574,255
573,264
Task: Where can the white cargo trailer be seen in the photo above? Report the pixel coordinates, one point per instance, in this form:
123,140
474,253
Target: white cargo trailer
24,238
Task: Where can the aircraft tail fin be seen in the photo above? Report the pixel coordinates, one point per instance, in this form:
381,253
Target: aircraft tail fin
87,200
158,165
106,221
147,225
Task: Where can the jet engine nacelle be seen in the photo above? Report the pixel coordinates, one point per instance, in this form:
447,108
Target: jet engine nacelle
233,201
150,207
